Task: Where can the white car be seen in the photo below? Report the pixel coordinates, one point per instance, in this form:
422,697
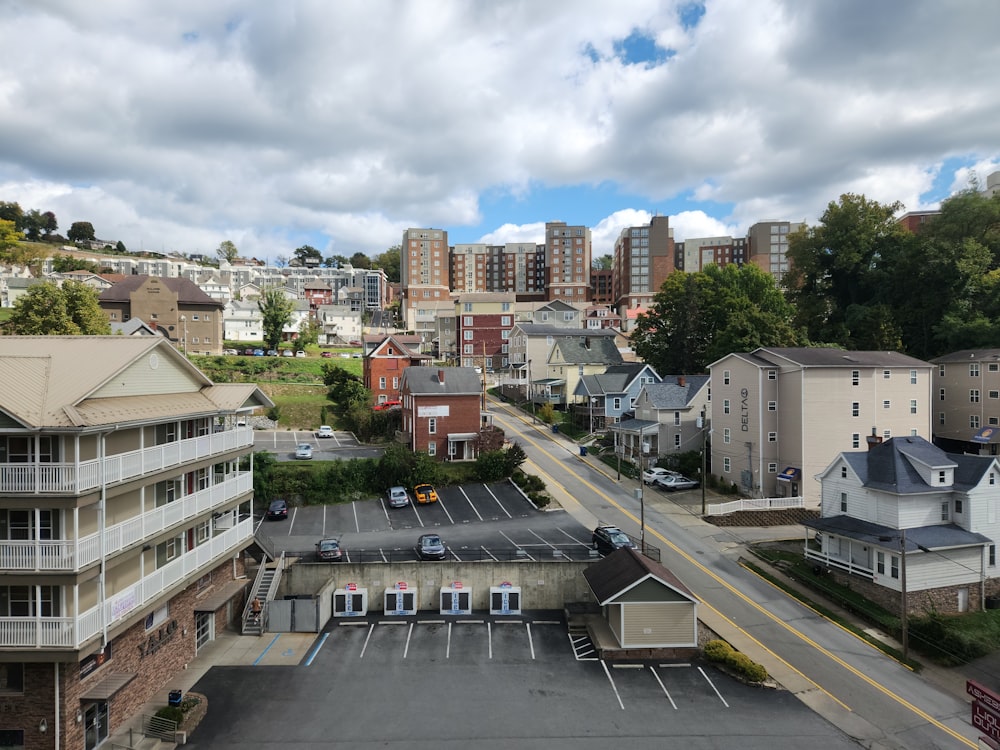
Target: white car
651,475
324,431
677,482
303,450
301,354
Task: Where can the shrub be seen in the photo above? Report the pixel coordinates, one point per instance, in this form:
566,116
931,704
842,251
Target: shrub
721,652
717,650
172,713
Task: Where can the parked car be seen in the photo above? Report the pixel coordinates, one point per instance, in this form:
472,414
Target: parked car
300,354
258,352
324,431
277,510
288,353
303,450
354,343
230,352
326,355
607,539
398,497
430,547
676,482
248,351
386,405
272,352
651,475
425,493
329,550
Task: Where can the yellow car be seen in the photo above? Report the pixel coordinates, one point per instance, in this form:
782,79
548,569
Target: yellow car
425,493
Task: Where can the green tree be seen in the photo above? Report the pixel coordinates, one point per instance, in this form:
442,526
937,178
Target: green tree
12,250
309,330
841,270
602,263
37,224
227,251
9,236
120,247
360,260
276,311
307,255
49,310
389,261
81,231
14,213
336,261
66,263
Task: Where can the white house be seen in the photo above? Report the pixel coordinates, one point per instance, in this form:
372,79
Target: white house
339,324
243,321
905,510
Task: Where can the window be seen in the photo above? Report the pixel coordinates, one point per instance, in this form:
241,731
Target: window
194,317
855,409
467,335
843,472
942,476
887,404
974,396
974,370
772,468
945,512
941,394
725,406
432,448
727,464
617,404
725,377
381,383
677,440
913,406
726,435
843,502
974,421
993,554
432,425
856,440
12,679
993,478
855,377
772,437
886,374
468,349
202,532
941,370
467,307
958,506
772,406
994,394
941,418
772,375
467,320
913,377
880,562
886,434
677,419
395,383
505,320
894,566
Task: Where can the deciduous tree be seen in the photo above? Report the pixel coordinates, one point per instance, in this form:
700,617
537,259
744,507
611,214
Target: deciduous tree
276,310
81,231
227,251
49,310
389,262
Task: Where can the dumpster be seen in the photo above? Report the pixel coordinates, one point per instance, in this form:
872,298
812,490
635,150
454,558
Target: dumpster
583,450
555,428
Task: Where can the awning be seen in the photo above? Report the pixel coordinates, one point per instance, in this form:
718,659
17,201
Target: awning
790,474
461,437
107,685
985,435
217,600
549,381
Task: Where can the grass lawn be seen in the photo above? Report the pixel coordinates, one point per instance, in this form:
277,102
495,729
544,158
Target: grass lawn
300,406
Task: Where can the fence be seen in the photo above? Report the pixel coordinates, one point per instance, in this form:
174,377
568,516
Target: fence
758,503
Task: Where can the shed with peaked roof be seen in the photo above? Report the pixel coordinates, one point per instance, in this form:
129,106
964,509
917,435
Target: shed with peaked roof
645,605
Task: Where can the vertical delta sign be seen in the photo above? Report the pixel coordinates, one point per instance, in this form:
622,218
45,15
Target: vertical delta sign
985,711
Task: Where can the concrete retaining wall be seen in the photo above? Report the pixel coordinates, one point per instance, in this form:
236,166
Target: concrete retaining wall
544,585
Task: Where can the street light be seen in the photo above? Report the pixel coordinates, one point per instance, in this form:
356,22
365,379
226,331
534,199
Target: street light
593,402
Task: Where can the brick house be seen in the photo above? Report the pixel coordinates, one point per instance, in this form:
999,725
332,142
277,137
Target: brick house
383,366
441,411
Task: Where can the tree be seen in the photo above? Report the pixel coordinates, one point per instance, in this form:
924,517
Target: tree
66,263
12,212
697,318
281,261
602,263
120,247
12,250
49,310
307,255
336,261
276,310
309,330
81,231
9,236
227,251
389,262
37,223
840,272
360,260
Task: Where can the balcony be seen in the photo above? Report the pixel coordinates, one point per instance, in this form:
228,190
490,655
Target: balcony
831,561
76,478
70,555
73,632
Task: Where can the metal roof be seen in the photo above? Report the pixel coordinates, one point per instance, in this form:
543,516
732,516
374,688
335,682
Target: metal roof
624,569
942,536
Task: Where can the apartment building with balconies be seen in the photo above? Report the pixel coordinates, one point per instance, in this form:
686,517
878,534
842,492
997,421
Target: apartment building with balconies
126,500
643,258
965,401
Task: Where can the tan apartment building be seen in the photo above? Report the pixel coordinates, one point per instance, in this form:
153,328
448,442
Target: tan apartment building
965,401
767,246
191,319
423,271
780,416
126,500
567,262
643,258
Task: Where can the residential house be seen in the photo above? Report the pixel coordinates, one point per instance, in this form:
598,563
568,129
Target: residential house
671,416
383,366
191,319
906,517
601,316
135,327
339,324
965,401
779,416
318,293
213,286
127,500
300,314
557,313
243,321
441,411
608,397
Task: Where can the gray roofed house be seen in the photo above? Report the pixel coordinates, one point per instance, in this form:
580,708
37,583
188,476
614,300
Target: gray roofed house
668,418
607,397
906,509
442,411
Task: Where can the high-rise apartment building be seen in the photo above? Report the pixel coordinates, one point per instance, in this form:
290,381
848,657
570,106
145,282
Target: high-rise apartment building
423,271
523,270
699,252
642,260
567,261
767,246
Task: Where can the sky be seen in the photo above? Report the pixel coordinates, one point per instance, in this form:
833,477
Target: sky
172,126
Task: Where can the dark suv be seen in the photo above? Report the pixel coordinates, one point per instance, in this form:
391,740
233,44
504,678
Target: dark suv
277,510
609,538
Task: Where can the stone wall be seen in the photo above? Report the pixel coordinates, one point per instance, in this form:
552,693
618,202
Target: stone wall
942,600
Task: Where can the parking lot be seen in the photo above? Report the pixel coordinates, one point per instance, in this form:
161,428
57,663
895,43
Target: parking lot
342,445
476,521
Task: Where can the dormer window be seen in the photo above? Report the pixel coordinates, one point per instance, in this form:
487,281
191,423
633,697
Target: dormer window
942,477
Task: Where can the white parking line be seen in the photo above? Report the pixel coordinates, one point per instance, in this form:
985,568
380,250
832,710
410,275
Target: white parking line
354,509
417,514
474,509
531,642
613,686
663,688
713,687
498,501
489,637
371,628
495,559
445,509
409,633
324,520
291,523
447,650
544,541
582,544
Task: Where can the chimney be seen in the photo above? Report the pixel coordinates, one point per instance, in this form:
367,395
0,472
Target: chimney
152,324
873,439
441,377
680,380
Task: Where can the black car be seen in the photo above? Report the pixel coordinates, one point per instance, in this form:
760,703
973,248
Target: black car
430,547
329,550
609,538
277,510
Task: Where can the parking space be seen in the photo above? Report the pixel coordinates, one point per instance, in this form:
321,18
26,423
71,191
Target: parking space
340,444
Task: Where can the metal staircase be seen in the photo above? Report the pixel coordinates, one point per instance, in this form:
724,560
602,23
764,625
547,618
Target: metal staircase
265,586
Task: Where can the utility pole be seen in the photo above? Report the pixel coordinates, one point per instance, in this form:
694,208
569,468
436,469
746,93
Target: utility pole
903,617
704,459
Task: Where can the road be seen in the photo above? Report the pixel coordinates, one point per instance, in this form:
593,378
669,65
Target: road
865,693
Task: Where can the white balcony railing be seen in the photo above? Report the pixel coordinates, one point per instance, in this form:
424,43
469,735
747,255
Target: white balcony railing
73,554
73,632
74,478
832,561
